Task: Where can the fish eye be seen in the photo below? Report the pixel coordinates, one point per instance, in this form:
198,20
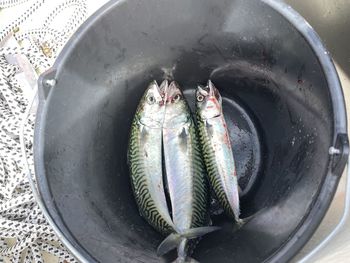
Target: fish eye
200,98
151,100
177,97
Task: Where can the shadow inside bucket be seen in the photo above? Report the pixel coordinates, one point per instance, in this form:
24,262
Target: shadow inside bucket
276,100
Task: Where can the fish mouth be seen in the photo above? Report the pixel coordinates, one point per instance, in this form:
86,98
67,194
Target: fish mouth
172,90
211,88
163,89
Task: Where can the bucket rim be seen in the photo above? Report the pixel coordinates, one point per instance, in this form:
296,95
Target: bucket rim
301,235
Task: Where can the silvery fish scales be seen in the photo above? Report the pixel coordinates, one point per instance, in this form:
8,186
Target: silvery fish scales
217,151
145,159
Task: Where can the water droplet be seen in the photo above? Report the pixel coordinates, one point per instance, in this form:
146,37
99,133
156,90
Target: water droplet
293,141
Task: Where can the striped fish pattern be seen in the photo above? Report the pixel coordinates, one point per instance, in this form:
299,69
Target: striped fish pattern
185,171
145,159
163,135
216,147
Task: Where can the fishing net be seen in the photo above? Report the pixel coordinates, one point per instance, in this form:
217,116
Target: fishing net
25,235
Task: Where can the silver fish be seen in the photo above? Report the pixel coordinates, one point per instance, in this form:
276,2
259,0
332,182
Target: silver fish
145,159
185,175
216,147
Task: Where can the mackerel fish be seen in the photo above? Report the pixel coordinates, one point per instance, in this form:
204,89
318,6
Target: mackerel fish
185,176
217,151
145,159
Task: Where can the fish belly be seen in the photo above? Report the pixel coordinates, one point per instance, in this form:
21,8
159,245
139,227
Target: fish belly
185,176
220,164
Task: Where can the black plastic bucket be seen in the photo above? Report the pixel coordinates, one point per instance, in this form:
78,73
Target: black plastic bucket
283,103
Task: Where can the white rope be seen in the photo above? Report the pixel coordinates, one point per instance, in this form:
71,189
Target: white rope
12,26
20,216
10,3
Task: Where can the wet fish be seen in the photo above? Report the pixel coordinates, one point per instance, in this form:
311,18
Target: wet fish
216,147
185,175
145,159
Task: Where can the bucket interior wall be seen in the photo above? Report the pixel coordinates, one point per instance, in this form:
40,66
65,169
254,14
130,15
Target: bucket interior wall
255,58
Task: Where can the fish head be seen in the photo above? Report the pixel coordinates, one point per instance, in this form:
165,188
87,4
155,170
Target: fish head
176,109
151,109
208,101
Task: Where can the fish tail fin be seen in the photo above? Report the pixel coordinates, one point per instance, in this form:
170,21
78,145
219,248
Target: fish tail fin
176,240
186,260
240,222
182,253
169,243
199,231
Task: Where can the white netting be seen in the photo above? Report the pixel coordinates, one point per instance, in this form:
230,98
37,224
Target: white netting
24,232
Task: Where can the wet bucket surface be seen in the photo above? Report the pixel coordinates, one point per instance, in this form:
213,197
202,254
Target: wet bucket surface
282,101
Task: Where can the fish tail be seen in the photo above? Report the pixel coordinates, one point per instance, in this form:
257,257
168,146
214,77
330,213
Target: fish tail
169,243
186,260
240,222
182,253
177,240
